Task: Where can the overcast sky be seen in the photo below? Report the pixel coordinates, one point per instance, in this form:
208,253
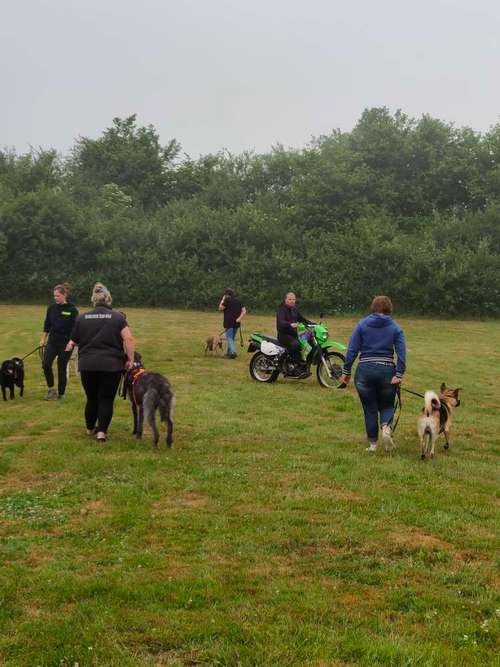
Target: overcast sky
241,74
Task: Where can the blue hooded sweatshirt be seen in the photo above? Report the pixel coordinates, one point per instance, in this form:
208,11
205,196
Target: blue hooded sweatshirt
375,339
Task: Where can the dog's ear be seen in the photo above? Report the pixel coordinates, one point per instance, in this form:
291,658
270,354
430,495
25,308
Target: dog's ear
455,391
442,389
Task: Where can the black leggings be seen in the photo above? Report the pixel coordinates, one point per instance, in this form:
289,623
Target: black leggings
100,388
52,350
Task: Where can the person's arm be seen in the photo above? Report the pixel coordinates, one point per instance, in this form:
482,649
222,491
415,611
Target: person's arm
74,338
222,304
400,347
46,329
283,324
242,314
304,320
128,346
353,350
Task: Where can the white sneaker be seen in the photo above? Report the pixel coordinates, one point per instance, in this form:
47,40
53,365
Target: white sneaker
389,443
372,447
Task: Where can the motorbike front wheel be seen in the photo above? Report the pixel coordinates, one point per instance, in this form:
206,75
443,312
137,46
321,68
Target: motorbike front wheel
330,378
262,369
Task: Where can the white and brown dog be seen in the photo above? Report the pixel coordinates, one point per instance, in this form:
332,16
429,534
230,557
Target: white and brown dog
436,418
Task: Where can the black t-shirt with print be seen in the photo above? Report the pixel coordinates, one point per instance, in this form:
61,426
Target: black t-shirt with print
232,310
98,336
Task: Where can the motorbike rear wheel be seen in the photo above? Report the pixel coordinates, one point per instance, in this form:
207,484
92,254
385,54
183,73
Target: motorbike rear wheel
261,370
334,361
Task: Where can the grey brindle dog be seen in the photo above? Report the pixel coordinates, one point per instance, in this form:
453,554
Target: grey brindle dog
148,392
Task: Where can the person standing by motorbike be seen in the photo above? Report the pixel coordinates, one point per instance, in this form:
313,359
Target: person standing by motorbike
375,339
59,322
234,311
287,318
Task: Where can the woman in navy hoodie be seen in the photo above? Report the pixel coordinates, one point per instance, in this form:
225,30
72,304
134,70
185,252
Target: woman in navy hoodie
375,339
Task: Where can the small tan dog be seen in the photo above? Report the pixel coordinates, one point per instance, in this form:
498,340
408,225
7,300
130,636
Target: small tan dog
213,344
436,418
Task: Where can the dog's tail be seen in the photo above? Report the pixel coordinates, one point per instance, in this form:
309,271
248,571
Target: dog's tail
166,402
431,402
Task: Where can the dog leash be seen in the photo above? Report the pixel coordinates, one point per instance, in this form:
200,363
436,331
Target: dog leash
399,402
40,347
223,332
399,407
408,391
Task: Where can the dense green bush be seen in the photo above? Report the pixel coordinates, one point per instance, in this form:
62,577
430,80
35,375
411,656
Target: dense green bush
400,206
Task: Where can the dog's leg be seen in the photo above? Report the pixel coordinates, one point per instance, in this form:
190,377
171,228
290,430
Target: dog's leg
170,431
433,444
140,422
152,423
21,393
3,393
422,447
447,442
134,415
11,389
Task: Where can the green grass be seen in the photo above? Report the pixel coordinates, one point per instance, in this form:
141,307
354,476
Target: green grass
267,535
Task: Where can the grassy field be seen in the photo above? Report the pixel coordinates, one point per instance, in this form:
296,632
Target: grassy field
267,535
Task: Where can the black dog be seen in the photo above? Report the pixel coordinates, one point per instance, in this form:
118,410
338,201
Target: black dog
12,373
148,392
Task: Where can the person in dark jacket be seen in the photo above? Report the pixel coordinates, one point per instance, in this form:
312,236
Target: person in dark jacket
375,339
234,311
59,322
105,348
287,317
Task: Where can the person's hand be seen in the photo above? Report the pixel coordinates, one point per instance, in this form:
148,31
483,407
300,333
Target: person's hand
345,379
293,325
69,347
129,365
42,342
396,380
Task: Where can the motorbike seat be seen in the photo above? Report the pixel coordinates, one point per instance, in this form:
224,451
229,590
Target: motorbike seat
271,340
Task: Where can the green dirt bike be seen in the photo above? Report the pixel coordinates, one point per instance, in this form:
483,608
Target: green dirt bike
271,358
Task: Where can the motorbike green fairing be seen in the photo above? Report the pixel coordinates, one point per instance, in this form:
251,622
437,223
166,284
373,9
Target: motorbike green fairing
321,335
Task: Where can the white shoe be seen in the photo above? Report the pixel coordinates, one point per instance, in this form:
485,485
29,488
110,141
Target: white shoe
389,443
372,447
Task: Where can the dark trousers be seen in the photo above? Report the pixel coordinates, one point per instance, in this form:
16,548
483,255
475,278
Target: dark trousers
292,345
100,388
377,394
53,349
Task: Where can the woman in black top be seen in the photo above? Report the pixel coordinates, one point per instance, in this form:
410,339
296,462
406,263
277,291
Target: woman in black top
105,348
59,322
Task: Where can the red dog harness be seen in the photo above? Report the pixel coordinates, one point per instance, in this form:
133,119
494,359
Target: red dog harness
134,376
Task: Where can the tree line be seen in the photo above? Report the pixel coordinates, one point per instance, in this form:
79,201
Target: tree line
401,206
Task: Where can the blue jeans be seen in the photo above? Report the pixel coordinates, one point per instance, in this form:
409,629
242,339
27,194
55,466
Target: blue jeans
373,382
230,334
